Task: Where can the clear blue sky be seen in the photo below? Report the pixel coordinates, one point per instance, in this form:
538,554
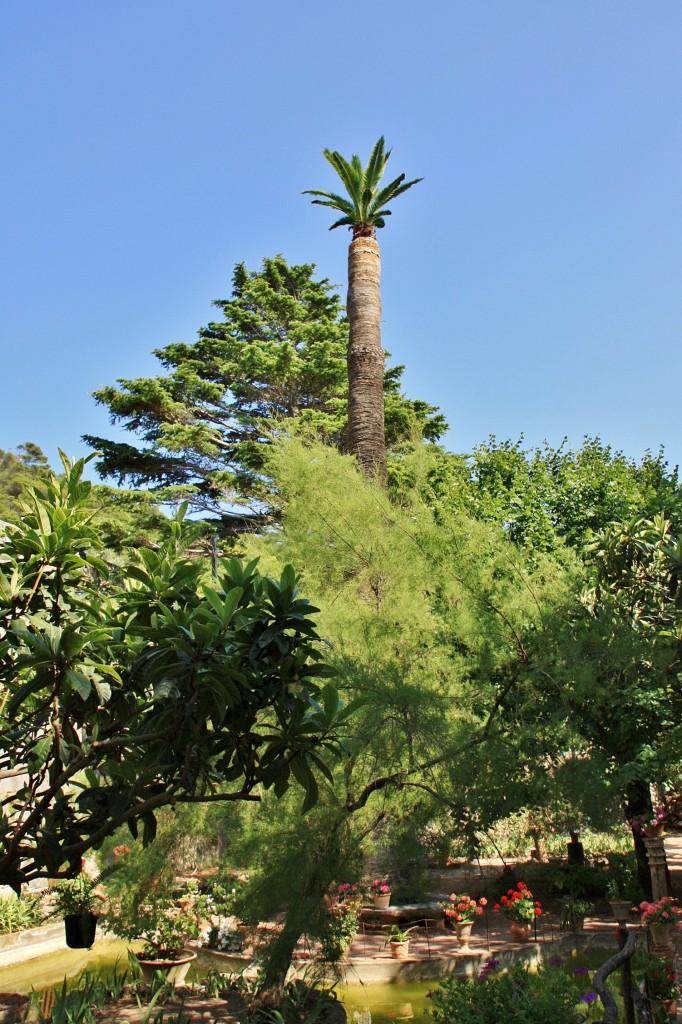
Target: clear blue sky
531,283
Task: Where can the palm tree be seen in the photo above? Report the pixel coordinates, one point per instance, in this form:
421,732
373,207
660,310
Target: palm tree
363,212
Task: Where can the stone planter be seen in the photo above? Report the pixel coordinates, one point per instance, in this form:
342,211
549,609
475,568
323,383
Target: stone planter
661,935
651,831
620,909
174,971
463,929
382,900
520,931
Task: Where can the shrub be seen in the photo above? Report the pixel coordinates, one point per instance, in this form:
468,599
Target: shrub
516,997
17,912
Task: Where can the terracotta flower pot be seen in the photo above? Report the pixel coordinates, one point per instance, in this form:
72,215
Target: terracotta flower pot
521,931
382,900
174,971
654,830
463,929
13,1007
669,1006
400,950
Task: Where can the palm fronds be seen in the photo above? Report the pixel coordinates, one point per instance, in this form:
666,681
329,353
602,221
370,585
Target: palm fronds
365,207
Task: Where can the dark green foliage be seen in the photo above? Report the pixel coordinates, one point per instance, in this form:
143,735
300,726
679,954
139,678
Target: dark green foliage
364,209
279,352
518,996
146,685
77,1002
546,495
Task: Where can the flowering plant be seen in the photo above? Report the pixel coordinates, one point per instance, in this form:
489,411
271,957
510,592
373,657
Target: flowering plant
379,886
659,976
463,909
222,938
519,904
663,912
157,921
643,822
347,889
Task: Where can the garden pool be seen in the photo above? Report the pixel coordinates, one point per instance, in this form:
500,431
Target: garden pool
365,1004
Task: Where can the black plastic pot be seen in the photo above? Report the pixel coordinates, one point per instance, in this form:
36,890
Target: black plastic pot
80,930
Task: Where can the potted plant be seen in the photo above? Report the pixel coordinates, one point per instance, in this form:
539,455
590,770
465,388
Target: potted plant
521,910
76,900
573,913
380,891
346,890
339,928
462,911
660,918
650,824
156,920
661,988
399,941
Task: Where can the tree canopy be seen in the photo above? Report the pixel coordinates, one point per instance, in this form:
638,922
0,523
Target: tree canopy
365,208
128,688
278,352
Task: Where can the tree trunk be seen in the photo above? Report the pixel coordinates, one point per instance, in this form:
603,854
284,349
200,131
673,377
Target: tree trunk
366,358
638,801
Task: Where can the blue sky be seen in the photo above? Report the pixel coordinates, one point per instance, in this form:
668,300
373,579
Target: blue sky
531,283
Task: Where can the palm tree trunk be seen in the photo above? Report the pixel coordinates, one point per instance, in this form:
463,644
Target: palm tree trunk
366,358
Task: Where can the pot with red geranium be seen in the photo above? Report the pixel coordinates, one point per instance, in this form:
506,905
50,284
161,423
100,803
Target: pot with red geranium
461,911
660,918
346,890
661,986
380,891
521,910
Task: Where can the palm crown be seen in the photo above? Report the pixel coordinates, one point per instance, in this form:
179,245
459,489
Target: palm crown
364,210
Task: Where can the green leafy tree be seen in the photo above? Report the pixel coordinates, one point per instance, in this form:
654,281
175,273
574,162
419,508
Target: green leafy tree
363,211
130,689
547,498
624,692
19,469
278,353
435,626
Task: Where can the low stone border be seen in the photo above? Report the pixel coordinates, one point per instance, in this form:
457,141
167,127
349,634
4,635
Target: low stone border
31,943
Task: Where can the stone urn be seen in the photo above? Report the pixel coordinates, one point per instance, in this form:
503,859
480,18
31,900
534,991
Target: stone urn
620,909
521,931
463,929
661,935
